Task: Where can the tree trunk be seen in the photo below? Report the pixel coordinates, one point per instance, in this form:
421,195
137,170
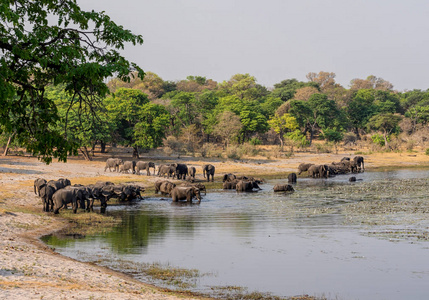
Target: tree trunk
103,147
6,150
85,153
281,143
136,152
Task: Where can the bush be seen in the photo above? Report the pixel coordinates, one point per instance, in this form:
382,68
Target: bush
349,138
210,150
255,141
233,152
378,139
248,149
427,151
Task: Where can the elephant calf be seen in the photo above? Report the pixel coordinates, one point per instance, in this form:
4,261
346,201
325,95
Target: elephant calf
246,186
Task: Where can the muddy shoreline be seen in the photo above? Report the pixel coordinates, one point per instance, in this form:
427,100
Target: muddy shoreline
31,270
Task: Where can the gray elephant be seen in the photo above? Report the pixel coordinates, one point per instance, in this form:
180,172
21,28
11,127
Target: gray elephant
102,191
291,178
345,159
46,193
113,163
210,171
316,171
304,167
129,165
191,172
185,193
38,184
228,177
230,185
86,195
246,186
141,165
359,161
181,171
64,196
59,184
166,187
283,188
199,186
166,171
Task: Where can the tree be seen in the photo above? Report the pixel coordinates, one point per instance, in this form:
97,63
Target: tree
325,80
149,132
371,82
76,48
385,123
282,125
84,125
124,109
228,127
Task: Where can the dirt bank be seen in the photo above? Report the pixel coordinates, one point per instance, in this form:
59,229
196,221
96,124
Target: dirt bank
30,270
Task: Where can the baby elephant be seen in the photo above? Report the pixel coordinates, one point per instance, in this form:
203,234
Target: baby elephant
185,193
283,188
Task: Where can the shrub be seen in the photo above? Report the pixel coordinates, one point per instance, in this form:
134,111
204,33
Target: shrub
233,152
427,151
255,141
248,149
378,139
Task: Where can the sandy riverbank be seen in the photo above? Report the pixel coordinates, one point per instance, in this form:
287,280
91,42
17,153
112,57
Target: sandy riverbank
30,270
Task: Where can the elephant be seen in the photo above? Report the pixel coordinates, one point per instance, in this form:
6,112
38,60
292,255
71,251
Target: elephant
352,179
359,161
64,196
185,193
291,178
166,187
181,171
129,165
303,167
86,195
113,163
209,170
46,193
246,186
230,185
102,191
141,165
192,171
345,159
59,184
199,186
167,170
38,184
283,188
318,171
228,177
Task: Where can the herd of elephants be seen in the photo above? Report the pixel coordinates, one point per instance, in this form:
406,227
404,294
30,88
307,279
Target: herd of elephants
56,194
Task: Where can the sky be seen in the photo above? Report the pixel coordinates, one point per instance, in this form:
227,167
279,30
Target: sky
274,40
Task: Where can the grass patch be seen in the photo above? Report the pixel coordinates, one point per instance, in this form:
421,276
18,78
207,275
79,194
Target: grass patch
88,223
241,293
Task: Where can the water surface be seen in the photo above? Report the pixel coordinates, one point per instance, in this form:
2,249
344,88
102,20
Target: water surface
275,242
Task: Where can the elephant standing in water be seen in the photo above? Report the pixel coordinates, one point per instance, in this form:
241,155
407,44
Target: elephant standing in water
359,162
283,188
209,170
303,167
291,178
185,193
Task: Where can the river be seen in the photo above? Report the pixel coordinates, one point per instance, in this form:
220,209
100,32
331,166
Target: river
310,242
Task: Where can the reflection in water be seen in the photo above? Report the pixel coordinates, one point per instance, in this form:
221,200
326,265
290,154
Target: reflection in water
273,242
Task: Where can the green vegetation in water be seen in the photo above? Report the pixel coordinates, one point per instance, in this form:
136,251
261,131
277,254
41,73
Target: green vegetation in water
241,293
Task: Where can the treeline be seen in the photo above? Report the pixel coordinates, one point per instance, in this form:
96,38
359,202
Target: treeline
184,115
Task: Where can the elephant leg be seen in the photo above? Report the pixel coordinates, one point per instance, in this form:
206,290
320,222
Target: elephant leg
74,206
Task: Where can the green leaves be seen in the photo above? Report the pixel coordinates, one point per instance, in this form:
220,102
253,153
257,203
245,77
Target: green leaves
46,52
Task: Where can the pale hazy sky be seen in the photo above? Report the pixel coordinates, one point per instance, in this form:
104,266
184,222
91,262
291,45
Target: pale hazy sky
275,40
